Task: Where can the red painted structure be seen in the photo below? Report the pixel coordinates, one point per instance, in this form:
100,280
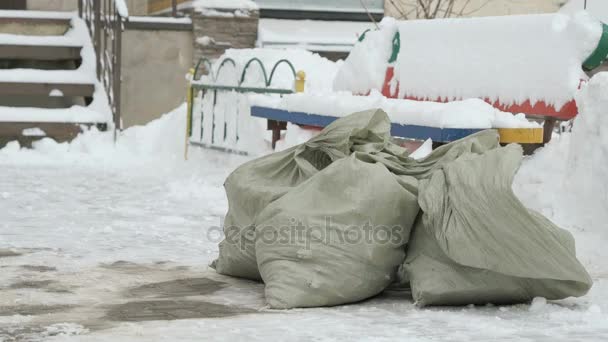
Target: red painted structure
540,108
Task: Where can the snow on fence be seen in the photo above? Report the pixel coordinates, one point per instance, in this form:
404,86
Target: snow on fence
106,21
218,107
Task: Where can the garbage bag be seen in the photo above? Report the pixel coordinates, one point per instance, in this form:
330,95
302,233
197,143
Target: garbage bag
336,238
254,185
476,243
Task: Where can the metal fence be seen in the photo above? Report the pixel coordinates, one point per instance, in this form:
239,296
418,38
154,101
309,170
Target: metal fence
217,108
106,22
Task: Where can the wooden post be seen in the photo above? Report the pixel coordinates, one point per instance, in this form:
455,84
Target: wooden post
548,129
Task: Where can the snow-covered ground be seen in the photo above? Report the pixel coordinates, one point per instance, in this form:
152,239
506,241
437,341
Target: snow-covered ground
91,229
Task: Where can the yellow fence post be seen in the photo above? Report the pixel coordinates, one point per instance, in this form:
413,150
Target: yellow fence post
300,81
190,99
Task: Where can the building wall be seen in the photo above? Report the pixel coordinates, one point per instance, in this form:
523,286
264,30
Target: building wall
136,7
154,65
491,8
52,5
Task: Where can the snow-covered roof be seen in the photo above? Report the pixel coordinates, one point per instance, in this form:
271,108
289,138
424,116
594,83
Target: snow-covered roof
313,35
221,4
597,8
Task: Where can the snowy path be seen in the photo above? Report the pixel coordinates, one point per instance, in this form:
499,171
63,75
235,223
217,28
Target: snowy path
84,241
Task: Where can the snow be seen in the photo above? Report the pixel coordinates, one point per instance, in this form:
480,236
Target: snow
566,180
164,20
424,150
75,114
204,40
232,125
77,36
295,135
121,8
319,70
313,35
56,93
510,58
35,14
28,132
114,217
471,113
597,8
16,39
225,4
229,8
365,67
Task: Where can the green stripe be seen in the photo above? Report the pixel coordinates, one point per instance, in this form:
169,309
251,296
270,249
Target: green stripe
601,52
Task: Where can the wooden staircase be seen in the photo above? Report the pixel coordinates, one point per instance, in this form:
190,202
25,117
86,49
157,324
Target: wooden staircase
45,85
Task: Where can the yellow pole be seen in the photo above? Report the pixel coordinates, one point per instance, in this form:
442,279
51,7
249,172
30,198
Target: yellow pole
190,99
300,81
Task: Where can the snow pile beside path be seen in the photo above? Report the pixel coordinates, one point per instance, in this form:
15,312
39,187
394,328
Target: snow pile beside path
471,113
161,141
365,67
568,179
320,71
587,172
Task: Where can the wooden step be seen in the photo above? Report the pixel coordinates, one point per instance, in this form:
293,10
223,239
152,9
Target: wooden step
58,131
43,88
40,52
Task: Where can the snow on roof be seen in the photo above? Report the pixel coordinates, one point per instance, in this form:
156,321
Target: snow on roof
75,114
314,35
36,14
221,4
510,58
597,8
163,20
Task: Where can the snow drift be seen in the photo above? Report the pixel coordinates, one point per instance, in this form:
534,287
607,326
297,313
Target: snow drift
509,59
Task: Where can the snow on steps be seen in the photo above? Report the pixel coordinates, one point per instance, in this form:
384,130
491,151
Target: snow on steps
72,48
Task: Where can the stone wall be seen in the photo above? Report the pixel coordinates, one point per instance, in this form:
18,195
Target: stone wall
52,5
154,66
215,32
136,7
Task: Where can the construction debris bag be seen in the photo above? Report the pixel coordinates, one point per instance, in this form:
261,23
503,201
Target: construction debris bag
254,185
476,243
336,238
